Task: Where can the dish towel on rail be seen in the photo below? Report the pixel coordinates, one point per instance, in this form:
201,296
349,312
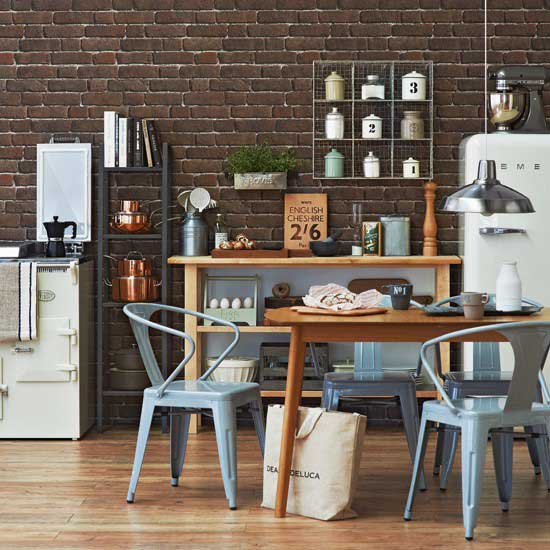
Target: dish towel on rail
17,301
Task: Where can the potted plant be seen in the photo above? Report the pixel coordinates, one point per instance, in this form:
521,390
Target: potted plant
260,167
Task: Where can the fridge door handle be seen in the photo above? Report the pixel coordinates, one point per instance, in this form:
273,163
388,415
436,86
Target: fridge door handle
500,230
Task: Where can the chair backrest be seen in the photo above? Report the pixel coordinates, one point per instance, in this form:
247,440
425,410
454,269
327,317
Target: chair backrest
367,356
486,355
530,341
140,319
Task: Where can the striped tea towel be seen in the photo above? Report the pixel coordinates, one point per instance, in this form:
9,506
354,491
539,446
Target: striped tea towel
17,301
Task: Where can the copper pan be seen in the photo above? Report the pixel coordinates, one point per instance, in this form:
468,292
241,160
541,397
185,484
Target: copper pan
134,289
134,265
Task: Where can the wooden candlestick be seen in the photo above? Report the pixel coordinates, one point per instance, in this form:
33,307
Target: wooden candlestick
430,224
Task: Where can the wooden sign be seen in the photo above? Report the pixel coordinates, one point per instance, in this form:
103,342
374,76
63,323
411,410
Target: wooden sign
306,218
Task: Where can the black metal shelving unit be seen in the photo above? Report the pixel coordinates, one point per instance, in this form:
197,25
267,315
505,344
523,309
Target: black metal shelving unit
104,240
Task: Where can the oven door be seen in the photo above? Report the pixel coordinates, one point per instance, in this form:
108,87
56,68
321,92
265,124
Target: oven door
49,358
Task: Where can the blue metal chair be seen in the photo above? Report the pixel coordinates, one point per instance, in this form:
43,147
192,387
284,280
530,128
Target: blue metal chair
485,379
478,417
188,397
369,379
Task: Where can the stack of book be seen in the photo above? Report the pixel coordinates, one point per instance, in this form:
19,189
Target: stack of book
130,142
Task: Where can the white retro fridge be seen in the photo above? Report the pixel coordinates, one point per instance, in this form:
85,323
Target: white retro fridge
523,163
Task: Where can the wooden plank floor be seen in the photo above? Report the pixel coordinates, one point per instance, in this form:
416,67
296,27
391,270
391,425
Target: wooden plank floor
71,495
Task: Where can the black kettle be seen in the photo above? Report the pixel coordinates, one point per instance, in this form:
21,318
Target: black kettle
56,231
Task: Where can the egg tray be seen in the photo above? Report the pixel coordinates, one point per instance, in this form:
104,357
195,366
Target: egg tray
242,316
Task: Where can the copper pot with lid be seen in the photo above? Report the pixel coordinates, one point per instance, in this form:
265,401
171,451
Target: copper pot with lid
133,265
129,219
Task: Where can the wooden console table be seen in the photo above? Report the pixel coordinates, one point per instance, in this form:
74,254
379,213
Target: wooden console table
195,265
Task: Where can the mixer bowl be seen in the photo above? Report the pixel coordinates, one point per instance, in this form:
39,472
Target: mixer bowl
505,108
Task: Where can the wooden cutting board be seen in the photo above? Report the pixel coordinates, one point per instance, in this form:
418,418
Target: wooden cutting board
256,253
350,313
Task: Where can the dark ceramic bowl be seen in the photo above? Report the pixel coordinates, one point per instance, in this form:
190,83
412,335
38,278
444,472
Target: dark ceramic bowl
320,248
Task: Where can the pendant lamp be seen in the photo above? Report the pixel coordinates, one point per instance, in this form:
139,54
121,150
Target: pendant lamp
486,195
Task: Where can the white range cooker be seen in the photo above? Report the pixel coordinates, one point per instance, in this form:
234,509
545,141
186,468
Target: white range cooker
47,385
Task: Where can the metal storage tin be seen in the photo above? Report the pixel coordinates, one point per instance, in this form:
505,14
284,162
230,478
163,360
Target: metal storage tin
194,235
396,235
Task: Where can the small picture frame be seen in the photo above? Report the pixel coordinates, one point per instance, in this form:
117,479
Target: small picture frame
372,238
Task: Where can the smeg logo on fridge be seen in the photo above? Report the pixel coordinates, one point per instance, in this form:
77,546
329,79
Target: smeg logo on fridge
46,295
521,166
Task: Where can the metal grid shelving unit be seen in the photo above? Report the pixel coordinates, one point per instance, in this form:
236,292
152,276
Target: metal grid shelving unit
391,149
104,305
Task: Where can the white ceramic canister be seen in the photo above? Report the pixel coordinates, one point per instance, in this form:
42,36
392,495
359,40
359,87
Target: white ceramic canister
373,89
334,87
413,87
372,127
371,166
334,124
508,288
411,168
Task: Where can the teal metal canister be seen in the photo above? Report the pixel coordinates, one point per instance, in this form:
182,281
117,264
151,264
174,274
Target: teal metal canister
334,164
396,231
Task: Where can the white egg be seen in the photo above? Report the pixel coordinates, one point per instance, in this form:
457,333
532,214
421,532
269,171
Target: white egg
248,302
224,303
214,303
236,303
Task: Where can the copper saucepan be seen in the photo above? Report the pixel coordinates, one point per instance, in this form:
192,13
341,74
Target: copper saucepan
134,289
129,219
134,265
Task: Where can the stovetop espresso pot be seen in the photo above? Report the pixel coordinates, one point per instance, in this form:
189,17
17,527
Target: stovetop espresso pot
56,232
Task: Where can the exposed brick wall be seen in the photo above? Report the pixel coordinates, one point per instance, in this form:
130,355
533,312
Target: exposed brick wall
221,73
217,74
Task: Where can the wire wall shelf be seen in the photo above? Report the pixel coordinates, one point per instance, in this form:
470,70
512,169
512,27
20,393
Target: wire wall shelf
391,148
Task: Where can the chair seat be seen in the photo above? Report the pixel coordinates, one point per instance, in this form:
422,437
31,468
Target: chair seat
480,406
369,377
205,390
479,376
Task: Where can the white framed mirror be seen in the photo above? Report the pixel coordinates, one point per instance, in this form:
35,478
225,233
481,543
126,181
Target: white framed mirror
64,187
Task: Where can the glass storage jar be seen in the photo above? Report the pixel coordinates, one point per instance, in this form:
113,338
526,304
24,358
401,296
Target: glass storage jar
412,126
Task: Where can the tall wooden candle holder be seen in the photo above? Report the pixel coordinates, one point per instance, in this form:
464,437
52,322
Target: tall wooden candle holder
430,225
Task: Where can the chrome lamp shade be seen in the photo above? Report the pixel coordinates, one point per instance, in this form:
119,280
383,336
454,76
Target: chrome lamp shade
486,195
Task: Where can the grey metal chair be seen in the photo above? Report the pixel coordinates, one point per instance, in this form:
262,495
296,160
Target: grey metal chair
479,417
187,397
487,379
368,379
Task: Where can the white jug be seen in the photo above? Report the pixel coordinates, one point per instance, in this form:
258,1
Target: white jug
508,288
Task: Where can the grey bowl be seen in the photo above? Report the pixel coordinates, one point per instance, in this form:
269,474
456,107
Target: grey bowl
324,248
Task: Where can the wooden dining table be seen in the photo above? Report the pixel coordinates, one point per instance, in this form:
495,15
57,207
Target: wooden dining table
392,326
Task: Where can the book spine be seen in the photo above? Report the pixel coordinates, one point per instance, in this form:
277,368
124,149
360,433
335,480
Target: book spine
155,145
147,141
130,142
138,144
109,139
116,140
122,145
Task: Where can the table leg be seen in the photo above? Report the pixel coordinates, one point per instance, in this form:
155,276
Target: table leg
443,290
192,301
295,374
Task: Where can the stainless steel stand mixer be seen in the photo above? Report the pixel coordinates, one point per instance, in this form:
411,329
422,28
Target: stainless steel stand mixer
516,105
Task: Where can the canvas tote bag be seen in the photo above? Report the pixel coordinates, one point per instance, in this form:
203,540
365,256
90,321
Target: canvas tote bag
325,465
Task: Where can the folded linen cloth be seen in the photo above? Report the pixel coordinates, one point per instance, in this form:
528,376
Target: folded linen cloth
17,301
339,298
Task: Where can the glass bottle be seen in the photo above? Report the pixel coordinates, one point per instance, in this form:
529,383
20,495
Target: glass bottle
220,231
357,225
